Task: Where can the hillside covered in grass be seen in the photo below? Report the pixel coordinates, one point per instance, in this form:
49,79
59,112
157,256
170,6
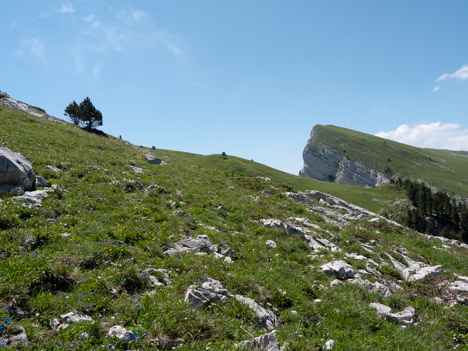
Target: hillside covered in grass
442,169
202,254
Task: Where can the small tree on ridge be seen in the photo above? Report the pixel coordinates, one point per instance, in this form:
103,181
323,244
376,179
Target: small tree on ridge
84,114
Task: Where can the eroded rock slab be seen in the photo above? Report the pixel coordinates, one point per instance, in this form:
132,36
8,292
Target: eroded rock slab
211,291
266,342
405,317
338,268
202,245
267,318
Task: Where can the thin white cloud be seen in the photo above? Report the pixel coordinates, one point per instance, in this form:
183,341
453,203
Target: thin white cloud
459,74
193,83
381,108
67,8
437,135
33,47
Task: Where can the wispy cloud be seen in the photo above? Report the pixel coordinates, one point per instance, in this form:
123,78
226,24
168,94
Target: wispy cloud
436,135
33,47
381,108
459,74
193,83
67,8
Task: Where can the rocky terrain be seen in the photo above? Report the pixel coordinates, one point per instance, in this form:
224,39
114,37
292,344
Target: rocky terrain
105,245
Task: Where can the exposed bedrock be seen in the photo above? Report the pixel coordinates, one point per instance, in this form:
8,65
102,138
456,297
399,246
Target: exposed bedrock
325,164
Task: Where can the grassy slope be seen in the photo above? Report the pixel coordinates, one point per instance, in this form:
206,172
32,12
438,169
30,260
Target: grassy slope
439,169
98,207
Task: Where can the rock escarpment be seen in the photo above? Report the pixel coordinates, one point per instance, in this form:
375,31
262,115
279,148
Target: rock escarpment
322,163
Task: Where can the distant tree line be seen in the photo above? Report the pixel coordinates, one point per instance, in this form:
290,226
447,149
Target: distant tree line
437,207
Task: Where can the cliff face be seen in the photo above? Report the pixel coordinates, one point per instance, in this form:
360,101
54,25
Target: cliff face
325,164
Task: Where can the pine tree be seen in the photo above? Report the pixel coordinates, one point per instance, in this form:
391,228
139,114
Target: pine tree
84,114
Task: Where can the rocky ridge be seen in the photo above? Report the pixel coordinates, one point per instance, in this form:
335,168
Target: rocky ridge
324,164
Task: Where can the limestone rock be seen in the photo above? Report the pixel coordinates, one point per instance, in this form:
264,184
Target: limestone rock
137,170
32,197
276,223
265,179
75,317
121,333
329,345
152,159
265,342
212,291
339,268
271,244
459,286
268,319
15,169
405,317
19,337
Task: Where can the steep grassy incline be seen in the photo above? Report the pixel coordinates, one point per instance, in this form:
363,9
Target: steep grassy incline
443,170
98,246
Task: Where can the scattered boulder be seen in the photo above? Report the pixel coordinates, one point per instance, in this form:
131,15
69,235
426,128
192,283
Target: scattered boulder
265,342
329,345
416,270
318,243
152,159
268,319
266,192
121,333
265,179
271,244
17,337
459,286
201,245
15,169
405,317
276,223
212,291
153,281
75,317
339,268
32,197
137,170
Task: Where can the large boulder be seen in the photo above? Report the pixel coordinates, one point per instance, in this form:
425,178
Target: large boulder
339,268
15,169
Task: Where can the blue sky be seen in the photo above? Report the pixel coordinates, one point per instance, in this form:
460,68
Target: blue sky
250,78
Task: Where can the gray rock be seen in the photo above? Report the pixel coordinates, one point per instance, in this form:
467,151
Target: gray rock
405,317
329,345
286,227
385,288
265,342
211,291
416,270
220,208
201,245
267,319
266,192
41,182
75,317
152,159
13,190
19,337
120,333
265,179
318,243
153,281
356,256
15,169
459,286
84,336
271,244
137,170
339,268
336,282
32,197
